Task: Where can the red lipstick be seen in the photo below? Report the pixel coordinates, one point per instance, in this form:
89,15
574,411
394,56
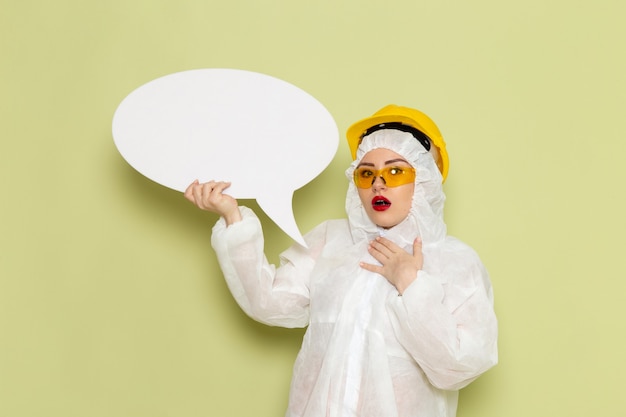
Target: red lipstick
380,203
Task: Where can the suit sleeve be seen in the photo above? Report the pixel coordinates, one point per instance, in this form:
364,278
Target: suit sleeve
270,295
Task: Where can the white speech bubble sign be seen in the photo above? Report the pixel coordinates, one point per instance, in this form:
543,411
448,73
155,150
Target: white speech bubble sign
266,136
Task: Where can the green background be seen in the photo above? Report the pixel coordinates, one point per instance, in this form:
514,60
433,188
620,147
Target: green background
111,300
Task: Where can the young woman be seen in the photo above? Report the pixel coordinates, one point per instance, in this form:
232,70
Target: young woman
400,315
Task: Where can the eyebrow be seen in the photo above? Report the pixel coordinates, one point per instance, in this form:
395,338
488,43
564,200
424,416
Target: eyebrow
395,160
391,161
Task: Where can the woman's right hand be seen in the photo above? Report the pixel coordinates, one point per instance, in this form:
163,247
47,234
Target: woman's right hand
209,196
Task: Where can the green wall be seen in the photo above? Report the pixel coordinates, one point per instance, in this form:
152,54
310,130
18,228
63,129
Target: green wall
111,300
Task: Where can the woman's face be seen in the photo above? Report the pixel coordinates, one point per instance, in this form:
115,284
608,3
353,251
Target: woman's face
385,205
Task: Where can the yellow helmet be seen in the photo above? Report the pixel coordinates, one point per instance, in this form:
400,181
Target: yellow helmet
406,116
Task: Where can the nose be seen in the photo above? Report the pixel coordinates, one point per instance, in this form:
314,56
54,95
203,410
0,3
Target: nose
379,183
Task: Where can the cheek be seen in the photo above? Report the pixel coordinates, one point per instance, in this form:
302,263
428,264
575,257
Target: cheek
362,196
407,197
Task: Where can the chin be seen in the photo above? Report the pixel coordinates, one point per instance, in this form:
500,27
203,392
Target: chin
385,221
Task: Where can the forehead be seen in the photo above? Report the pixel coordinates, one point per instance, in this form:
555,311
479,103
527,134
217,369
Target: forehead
380,156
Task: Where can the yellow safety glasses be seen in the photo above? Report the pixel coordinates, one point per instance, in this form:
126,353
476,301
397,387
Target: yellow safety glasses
392,176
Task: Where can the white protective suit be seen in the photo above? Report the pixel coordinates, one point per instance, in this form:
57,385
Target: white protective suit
367,351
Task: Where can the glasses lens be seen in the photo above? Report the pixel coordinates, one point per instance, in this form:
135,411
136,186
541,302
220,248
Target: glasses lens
396,176
393,176
364,177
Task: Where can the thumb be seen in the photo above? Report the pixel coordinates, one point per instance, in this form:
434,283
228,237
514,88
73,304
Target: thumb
417,246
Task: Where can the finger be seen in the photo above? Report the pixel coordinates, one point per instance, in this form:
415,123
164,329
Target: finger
379,246
189,191
208,186
379,256
207,191
376,250
417,247
389,244
371,268
200,194
221,186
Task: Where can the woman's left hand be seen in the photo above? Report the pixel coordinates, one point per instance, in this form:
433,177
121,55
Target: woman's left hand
397,265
